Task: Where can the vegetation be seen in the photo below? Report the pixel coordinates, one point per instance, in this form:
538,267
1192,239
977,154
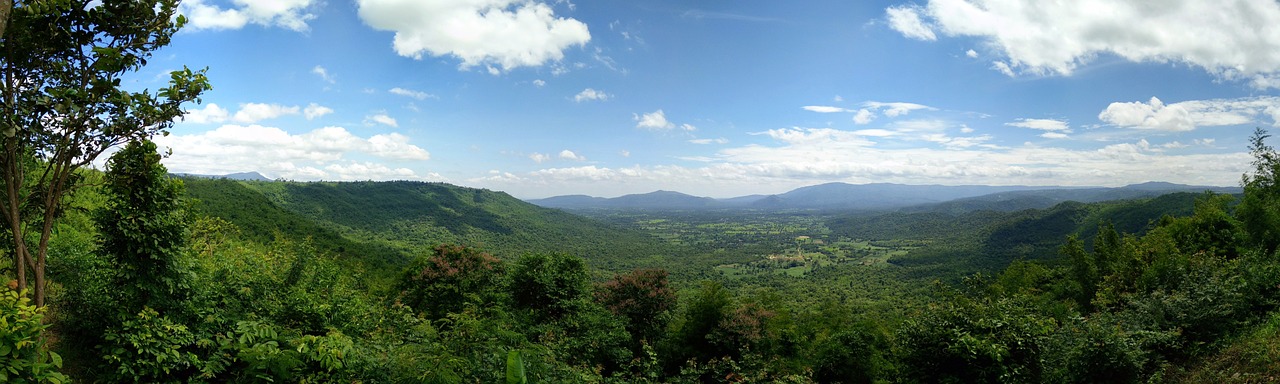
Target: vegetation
158,279
61,62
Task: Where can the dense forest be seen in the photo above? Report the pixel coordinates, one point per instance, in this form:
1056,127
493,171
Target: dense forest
133,275
155,278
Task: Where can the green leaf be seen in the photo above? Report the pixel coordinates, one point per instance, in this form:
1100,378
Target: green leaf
515,368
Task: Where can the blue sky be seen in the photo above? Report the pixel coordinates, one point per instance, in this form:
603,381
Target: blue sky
725,98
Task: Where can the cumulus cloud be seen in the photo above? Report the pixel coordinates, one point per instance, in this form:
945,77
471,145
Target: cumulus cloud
410,93
395,146
1189,115
288,14
569,155
539,82
250,113
972,54
1054,129
792,157
383,119
653,121
495,34
539,157
255,112
314,111
327,153
864,116
1232,39
875,132
906,20
369,171
590,95
210,114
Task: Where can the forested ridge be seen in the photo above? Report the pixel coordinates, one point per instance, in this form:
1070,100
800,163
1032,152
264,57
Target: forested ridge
273,281
132,275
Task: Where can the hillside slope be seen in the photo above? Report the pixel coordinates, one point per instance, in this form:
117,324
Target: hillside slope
411,217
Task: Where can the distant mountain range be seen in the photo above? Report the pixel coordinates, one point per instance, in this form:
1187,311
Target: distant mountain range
883,196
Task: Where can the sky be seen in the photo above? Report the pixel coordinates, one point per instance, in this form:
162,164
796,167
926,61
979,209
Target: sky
722,98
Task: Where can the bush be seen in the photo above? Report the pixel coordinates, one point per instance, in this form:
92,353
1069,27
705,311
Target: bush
23,357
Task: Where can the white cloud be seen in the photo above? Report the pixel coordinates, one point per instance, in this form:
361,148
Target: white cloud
210,114
321,154
1232,39
589,95
806,156
868,113
288,14
688,127
324,74
569,155
395,146
369,171
897,108
972,54
1053,135
710,141
383,119
924,125
250,113
1189,115
491,33
410,93
539,158
653,121
864,116
255,112
624,153
824,109
875,132
313,111
906,19
1042,124
539,82
1003,68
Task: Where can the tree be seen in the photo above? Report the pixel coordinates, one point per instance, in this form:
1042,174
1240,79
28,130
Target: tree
63,105
643,298
143,230
450,279
549,286
1259,211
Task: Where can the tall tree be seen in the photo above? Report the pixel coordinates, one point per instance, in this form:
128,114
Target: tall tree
143,229
63,105
1259,211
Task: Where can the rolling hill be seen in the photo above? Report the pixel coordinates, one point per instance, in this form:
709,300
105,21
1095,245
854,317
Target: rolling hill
390,221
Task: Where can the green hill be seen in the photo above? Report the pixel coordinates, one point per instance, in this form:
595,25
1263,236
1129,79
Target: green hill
959,244
392,220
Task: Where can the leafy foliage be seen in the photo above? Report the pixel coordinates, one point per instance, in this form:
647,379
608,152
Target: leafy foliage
63,104
24,357
452,278
143,230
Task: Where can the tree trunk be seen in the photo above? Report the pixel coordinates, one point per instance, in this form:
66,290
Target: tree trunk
12,176
6,7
